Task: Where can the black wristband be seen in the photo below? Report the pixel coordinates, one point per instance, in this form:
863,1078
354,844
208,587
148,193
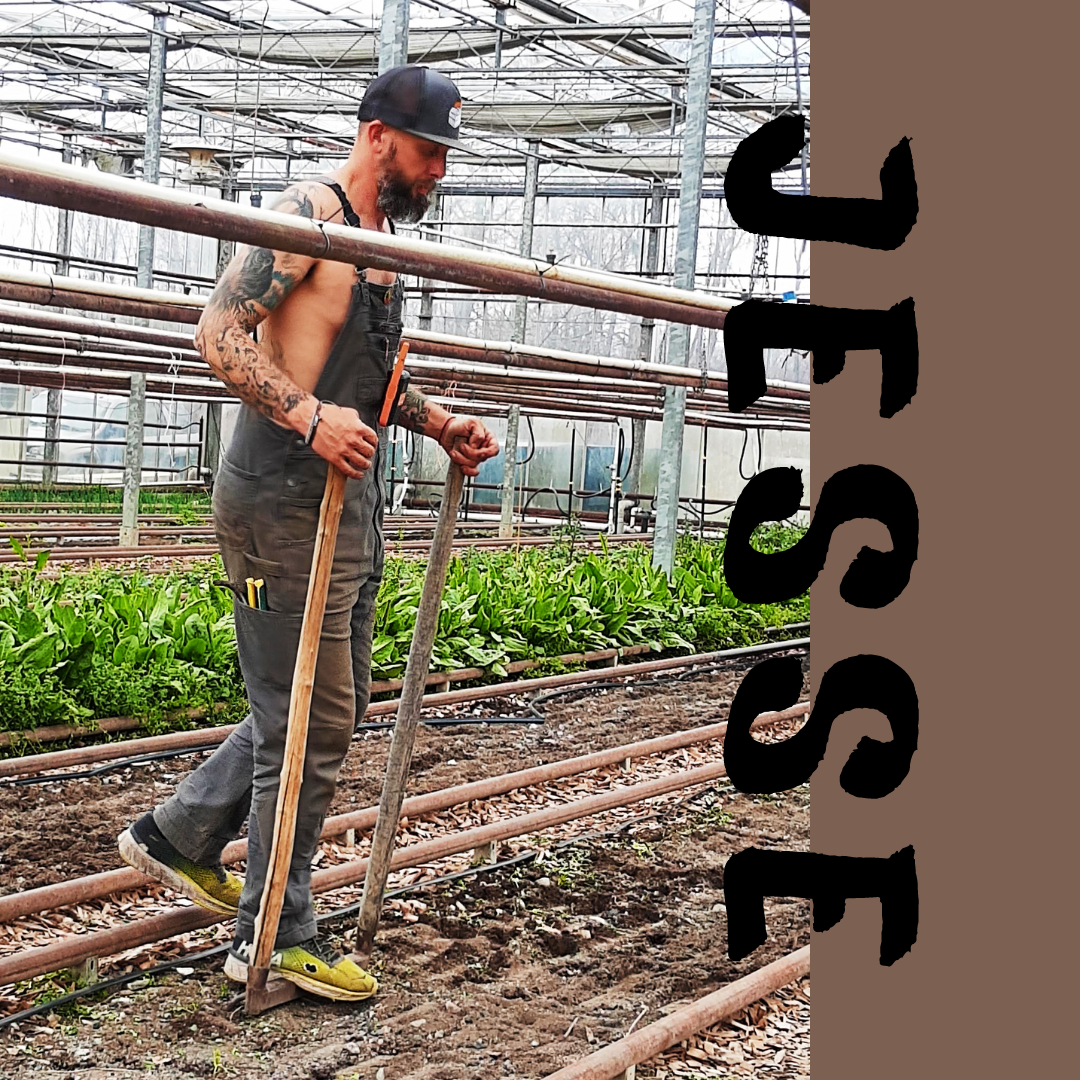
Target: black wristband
316,416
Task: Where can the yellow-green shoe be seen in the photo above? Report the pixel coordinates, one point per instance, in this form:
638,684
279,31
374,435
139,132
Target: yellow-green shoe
313,966
211,887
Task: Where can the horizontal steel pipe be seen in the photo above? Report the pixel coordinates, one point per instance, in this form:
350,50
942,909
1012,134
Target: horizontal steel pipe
449,346
63,379
62,759
49,296
87,755
77,292
102,361
97,886
76,324
36,180
615,1060
77,947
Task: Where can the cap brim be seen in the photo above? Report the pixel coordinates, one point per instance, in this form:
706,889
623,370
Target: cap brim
454,144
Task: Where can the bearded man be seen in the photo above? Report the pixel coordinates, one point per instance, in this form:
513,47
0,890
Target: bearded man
308,346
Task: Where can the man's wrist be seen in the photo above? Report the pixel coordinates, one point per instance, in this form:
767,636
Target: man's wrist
442,429
437,418
303,415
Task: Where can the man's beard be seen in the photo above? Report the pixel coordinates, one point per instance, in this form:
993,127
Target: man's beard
397,200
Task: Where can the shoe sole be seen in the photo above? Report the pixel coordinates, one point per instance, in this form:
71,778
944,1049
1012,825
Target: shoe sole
236,970
136,856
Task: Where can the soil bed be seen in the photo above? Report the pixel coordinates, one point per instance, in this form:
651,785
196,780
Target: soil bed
489,978
59,830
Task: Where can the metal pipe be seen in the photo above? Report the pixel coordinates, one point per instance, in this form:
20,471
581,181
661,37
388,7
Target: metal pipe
394,34
509,477
116,724
61,759
136,404
528,215
103,346
704,471
668,485
619,1058
96,886
50,284
194,373
105,554
39,181
75,948
42,288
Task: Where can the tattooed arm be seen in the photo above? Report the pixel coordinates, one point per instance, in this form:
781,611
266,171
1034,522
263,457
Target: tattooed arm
418,414
255,283
465,439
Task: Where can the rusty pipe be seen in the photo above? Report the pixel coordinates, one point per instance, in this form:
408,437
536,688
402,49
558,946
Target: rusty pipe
107,553
615,1060
96,886
38,181
75,948
87,301
75,324
114,724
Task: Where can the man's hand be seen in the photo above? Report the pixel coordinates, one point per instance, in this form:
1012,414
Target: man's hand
345,440
468,443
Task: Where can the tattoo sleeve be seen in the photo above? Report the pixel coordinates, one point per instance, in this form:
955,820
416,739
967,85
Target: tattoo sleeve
255,283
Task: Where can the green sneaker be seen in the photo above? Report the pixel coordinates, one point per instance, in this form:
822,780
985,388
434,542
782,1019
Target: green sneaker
313,966
211,887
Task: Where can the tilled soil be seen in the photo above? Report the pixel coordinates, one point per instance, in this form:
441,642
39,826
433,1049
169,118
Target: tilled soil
56,831
514,972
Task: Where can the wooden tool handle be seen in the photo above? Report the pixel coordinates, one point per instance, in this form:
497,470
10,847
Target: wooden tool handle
408,713
292,769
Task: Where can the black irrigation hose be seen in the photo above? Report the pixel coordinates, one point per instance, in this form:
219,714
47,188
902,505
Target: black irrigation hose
339,913
139,759
164,755
704,669
450,721
532,442
745,443
558,505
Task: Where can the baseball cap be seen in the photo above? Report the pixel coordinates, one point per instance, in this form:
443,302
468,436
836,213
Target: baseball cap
418,100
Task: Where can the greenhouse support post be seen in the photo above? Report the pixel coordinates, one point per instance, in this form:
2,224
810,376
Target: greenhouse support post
136,413
506,493
394,34
693,163
647,330
528,216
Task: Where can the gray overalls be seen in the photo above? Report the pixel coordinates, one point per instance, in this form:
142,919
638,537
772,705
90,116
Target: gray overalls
266,511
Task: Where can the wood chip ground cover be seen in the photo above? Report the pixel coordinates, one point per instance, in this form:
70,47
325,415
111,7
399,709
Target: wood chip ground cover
599,931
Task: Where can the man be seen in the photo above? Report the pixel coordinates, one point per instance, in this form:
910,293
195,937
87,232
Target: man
313,381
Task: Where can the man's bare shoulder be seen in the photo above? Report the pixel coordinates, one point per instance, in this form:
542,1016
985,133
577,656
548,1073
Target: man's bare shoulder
308,199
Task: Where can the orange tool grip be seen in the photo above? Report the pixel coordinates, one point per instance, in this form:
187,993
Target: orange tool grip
395,380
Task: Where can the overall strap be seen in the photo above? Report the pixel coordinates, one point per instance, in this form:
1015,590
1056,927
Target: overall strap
351,217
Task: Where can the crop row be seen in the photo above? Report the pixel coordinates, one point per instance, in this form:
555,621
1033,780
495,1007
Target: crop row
83,646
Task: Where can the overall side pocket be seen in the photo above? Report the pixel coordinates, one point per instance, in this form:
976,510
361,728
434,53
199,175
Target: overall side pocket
235,495
267,643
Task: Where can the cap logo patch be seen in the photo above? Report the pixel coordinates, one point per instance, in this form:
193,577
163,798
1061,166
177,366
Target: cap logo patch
455,115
